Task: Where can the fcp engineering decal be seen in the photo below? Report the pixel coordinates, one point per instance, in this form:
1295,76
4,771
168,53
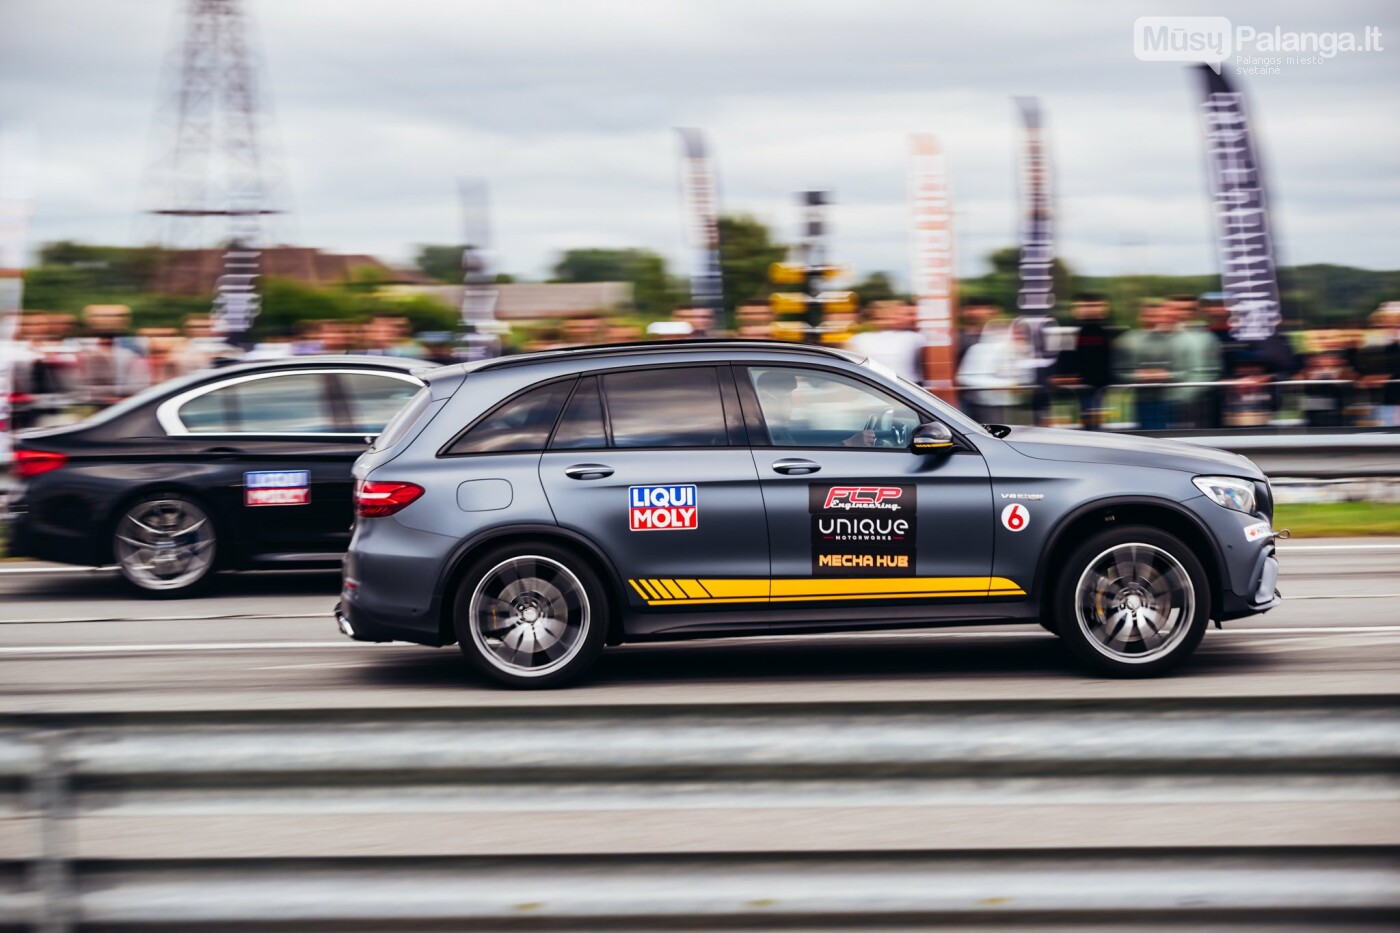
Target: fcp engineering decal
863,529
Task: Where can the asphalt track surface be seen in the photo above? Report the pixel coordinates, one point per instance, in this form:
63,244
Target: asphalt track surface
77,641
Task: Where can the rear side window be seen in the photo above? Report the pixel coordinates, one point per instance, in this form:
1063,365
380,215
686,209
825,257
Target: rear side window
674,407
291,404
407,416
521,424
582,424
374,399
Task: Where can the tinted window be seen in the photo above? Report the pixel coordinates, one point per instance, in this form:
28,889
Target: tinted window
666,408
521,424
374,399
812,408
291,404
582,424
399,425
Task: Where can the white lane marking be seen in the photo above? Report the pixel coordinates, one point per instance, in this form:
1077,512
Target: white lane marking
74,569
236,616
1289,599
304,645
1288,549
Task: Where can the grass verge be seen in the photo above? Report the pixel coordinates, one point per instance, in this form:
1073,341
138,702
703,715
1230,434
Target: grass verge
1338,519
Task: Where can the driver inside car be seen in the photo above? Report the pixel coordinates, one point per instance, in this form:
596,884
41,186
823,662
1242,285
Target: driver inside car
775,390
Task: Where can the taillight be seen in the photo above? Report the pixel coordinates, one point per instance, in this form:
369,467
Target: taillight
34,462
375,500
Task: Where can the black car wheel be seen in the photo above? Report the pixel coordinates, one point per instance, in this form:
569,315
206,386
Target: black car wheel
531,617
1133,602
165,545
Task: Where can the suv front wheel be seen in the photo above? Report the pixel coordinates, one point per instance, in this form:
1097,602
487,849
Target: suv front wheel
531,616
1132,602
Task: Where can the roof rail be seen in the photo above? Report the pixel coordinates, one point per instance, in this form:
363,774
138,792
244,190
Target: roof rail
659,346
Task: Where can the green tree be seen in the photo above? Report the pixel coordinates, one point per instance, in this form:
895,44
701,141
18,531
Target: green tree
746,250
654,291
443,263
876,287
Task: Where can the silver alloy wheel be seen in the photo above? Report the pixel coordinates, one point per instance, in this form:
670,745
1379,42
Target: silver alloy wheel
1135,603
529,615
164,544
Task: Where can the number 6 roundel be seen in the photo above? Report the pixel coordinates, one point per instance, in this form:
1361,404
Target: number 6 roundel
1015,517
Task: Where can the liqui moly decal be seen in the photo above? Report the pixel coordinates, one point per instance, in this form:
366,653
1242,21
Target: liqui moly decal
663,508
1247,271
277,487
700,200
1037,260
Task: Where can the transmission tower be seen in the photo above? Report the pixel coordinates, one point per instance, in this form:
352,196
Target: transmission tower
211,170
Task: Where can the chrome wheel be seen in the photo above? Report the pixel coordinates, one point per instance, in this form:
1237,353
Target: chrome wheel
164,544
529,616
1134,603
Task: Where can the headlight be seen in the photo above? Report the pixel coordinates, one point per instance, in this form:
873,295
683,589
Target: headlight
1228,492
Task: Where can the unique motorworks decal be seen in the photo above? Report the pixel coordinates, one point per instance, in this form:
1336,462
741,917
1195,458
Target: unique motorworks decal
663,508
862,529
277,487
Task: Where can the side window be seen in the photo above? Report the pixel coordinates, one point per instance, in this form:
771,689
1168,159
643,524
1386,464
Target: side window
521,424
374,399
678,407
582,424
814,408
291,404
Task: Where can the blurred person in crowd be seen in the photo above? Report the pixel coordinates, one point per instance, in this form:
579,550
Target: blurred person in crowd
895,340
388,335
1247,399
1146,356
1198,361
308,339
201,348
1032,333
162,348
1378,359
974,314
991,372
755,321
109,372
622,333
701,320
584,331
1324,403
1087,367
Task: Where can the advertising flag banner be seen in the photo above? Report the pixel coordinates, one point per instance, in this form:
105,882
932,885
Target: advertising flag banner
1248,274
15,168
933,276
700,200
1037,292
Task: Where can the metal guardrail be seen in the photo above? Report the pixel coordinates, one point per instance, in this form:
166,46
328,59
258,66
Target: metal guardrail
800,815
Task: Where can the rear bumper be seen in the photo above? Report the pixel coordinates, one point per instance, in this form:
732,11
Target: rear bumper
358,623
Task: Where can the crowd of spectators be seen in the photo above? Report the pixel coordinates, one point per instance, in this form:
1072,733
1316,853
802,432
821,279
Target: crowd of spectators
1179,368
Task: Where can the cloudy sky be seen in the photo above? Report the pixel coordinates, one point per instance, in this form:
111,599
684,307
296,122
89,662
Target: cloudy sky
567,110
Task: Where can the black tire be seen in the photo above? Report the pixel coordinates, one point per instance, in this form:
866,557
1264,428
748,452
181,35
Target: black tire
1132,602
166,545
549,611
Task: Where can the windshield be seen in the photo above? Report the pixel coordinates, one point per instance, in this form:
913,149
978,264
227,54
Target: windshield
941,408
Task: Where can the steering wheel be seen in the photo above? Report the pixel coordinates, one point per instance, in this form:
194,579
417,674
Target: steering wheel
885,430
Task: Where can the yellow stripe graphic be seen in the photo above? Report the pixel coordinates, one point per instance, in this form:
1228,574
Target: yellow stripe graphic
676,592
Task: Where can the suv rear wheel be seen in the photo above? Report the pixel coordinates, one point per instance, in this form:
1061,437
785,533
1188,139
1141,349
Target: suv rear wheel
1133,602
531,616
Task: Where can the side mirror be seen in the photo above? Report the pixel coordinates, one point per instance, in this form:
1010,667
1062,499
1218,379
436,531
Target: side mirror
932,437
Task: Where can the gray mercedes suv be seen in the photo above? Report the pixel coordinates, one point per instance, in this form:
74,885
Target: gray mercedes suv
535,509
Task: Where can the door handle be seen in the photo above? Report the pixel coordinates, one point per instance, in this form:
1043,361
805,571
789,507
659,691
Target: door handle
588,471
795,467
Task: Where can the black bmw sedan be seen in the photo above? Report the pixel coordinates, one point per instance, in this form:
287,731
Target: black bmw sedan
236,468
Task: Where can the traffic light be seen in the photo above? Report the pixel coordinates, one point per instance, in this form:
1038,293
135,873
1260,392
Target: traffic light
787,273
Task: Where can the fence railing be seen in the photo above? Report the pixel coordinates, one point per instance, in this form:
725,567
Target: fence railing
877,815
